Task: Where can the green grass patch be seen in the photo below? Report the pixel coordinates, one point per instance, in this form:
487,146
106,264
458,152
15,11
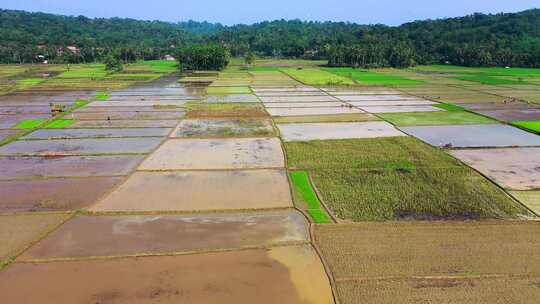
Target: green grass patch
494,71
29,123
317,77
23,83
372,78
264,69
229,90
491,80
365,154
435,118
307,198
420,194
161,66
449,107
102,96
397,178
79,103
85,71
533,126
59,124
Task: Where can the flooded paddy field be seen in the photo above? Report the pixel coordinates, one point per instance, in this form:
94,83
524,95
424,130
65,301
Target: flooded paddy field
113,235
185,189
470,136
322,131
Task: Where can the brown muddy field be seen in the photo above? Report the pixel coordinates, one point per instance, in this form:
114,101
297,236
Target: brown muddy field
205,128
199,190
325,104
97,133
430,248
501,290
278,275
238,153
91,236
512,168
124,124
14,167
81,146
18,231
53,194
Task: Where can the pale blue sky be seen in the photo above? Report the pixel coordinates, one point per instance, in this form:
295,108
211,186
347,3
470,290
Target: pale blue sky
391,12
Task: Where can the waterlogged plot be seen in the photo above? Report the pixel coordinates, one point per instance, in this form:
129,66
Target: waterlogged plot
514,168
412,102
16,167
359,98
290,93
322,131
288,99
241,98
5,134
398,109
200,191
81,146
127,115
83,124
430,248
326,104
240,153
142,109
97,133
435,118
513,115
355,117
22,121
470,136
286,275
14,110
92,236
224,128
279,90
53,194
139,103
19,231
221,110
312,111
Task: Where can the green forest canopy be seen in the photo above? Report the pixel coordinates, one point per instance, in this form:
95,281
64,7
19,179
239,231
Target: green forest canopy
475,40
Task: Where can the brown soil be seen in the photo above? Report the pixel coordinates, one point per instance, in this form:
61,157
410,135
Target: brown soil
442,291
88,236
18,231
53,194
430,248
251,276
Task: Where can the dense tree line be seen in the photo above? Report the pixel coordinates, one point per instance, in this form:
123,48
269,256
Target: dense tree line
475,40
203,57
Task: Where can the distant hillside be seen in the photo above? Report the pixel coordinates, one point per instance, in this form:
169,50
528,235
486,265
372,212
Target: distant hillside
501,39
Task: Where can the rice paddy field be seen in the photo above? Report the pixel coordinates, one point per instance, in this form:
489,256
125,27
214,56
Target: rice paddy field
282,181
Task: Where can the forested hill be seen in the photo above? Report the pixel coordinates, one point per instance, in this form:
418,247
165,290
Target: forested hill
501,39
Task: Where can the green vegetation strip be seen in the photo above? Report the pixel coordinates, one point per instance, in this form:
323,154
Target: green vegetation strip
435,118
491,80
59,124
449,107
102,96
304,192
29,123
312,76
533,126
372,78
